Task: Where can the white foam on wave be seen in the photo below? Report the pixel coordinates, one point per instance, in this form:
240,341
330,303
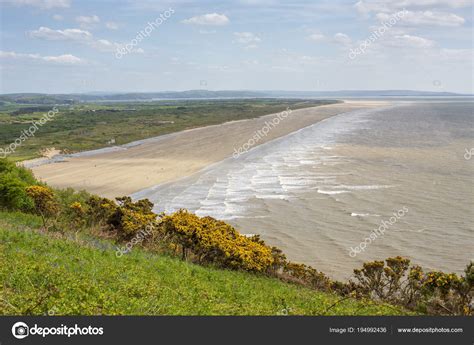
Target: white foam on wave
332,192
363,187
354,214
271,196
278,170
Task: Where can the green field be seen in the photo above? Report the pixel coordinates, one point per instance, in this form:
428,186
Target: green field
53,274
86,126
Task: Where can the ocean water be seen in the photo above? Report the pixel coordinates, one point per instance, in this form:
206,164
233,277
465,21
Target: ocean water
402,172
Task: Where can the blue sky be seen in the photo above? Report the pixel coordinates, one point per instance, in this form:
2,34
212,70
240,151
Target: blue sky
66,46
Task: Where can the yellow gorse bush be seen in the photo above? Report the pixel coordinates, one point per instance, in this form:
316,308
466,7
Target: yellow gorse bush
129,218
44,200
77,207
99,210
135,221
211,240
77,214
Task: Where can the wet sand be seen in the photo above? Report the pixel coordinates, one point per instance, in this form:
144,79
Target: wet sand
178,155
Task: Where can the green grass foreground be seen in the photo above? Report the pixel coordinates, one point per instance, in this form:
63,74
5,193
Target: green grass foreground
50,274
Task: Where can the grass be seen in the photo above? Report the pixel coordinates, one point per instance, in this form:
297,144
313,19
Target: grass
45,274
86,126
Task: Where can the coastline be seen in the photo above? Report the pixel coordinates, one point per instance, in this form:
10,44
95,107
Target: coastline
130,168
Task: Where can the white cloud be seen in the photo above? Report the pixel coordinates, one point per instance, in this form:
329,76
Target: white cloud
87,21
61,35
305,60
108,46
250,62
208,19
58,17
77,35
66,59
103,45
285,68
409,41
368,6
247,39
175,60
111,26
43,4
342,39
258,2
207,32
426,18
457,55
316,37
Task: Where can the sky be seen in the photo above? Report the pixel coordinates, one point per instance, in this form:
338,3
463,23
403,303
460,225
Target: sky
73,46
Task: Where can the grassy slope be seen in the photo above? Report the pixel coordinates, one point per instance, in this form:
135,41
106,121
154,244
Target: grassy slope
40,274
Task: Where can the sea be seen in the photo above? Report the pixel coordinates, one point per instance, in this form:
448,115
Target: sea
359,186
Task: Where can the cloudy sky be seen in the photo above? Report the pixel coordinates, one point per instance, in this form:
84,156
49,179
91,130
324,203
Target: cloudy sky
65,46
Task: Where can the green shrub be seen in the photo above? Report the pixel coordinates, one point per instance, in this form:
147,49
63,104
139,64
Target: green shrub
77,215
99,210
396,282
13,181
68,196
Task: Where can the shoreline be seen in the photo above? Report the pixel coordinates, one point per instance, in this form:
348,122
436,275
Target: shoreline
58,157
127,169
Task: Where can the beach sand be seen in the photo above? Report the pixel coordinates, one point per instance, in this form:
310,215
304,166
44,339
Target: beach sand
178,155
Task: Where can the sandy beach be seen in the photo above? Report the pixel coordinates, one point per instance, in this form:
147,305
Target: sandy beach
178,155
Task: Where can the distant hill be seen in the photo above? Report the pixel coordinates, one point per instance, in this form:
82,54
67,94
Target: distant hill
362,93
39,98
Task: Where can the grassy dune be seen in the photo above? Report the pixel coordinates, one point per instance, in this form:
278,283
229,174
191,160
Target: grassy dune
53,274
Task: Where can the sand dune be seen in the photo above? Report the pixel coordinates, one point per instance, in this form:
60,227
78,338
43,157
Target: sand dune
177,155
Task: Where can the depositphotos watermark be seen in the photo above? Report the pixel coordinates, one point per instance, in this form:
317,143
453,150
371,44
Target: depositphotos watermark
142,34
469,153
21,330
138,238
376,34
28,133
263,132
379,232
